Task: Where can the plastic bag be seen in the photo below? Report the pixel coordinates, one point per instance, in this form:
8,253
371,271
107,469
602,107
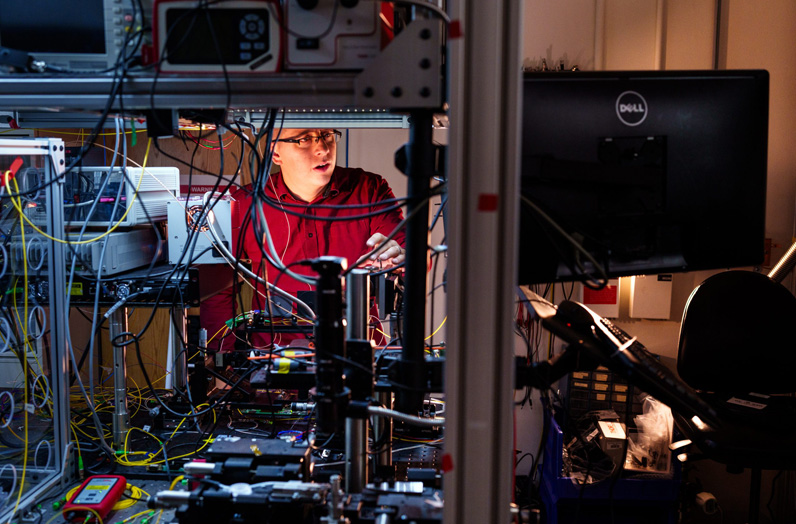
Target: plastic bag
648,450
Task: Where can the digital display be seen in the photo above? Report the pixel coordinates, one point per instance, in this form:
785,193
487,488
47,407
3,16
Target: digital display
216,36
95,491
53,26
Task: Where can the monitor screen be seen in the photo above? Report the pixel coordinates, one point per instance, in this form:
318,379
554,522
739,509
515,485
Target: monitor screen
74,35
47,26
630,173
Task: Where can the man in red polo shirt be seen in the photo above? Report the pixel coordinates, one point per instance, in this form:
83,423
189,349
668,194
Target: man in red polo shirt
310,199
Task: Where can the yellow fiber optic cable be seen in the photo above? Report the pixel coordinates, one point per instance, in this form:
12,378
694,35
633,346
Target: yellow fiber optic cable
18,206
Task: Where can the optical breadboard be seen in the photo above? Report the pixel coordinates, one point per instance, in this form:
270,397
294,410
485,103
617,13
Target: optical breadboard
189,230
329,34
101,196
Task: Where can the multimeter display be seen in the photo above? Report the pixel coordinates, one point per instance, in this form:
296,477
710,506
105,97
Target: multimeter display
96,490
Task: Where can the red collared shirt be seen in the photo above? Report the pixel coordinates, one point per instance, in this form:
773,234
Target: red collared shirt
298,238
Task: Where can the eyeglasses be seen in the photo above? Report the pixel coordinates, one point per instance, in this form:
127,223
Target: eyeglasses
329,138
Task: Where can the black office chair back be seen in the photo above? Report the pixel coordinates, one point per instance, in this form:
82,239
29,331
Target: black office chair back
739,335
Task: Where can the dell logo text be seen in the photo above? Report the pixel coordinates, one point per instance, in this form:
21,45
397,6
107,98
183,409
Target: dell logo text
631,108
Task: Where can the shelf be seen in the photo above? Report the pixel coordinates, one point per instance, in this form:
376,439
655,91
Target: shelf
293,118
140,92
389,81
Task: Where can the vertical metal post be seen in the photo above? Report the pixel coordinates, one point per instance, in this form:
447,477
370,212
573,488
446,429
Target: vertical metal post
754,496
357,293
121,417
357,300
179,334
356,454
382,428
59,316
484,91
420,167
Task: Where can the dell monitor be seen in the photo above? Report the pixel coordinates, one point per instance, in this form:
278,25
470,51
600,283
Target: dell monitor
630,173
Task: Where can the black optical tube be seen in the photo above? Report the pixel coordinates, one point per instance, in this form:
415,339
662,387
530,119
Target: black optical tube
419,169
331,396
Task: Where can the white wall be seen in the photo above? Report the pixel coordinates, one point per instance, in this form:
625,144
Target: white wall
630,34
559,30
762,38
690,34
619,34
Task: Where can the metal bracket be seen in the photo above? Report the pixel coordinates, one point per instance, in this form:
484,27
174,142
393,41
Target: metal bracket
407,73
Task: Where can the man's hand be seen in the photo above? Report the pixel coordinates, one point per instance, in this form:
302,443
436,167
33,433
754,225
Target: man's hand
390,253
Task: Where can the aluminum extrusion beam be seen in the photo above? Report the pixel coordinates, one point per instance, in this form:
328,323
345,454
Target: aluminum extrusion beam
140,92
484,163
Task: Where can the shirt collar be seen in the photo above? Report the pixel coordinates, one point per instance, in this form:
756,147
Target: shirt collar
333,189
336,185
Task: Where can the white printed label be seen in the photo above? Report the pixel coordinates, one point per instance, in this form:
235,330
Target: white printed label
612,429
746,403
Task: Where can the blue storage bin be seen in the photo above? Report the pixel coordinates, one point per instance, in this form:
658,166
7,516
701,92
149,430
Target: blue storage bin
649,500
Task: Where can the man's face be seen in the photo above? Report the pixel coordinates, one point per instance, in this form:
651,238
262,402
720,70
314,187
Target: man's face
307,167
